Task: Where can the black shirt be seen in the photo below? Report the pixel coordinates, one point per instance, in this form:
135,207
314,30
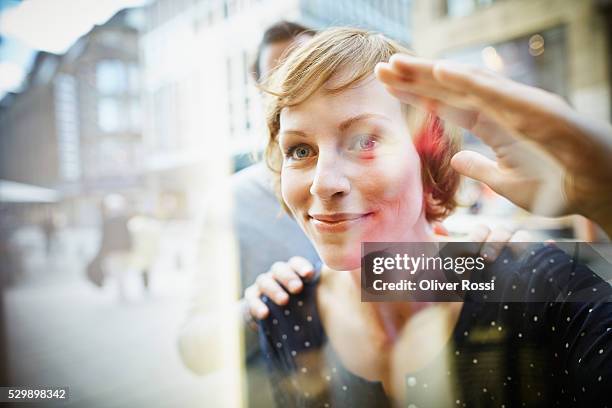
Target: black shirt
500,354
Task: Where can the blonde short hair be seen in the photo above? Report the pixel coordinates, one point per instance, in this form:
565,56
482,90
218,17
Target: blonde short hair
355,53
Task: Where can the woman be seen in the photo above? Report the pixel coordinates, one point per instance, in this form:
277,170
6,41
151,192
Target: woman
354,164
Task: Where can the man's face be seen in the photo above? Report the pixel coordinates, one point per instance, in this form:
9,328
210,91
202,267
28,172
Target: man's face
272,54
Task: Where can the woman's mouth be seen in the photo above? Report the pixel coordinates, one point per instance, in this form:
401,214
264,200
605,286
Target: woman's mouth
337,222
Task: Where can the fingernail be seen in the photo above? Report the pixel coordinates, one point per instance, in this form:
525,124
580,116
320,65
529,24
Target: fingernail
396,57
295,284
281,296
307,270
379,66
261,312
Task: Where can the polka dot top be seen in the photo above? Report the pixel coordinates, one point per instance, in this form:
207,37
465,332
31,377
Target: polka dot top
524,354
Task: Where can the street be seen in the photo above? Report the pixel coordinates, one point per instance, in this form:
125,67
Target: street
64,331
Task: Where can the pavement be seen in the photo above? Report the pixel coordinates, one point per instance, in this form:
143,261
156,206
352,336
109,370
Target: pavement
64,331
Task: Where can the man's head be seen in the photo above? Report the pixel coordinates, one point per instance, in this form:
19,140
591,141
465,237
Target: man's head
276,40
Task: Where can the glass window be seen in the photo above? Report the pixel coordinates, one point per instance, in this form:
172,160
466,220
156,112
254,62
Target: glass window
134,78
460,8
108,114
135,115
111,77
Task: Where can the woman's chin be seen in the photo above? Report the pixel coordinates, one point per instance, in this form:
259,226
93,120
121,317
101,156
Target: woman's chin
341,262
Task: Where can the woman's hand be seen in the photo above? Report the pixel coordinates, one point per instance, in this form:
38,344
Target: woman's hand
494,241
282,277
549,159
285,278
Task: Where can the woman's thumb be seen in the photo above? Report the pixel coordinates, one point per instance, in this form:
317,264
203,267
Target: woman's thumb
478,167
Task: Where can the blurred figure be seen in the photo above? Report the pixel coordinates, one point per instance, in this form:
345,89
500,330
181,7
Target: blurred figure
145,232
258,219
257,213
52,224
49,230
129,247
11,255
115,245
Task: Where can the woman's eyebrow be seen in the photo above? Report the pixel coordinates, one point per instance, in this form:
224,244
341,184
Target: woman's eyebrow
344,125
350,121
292,132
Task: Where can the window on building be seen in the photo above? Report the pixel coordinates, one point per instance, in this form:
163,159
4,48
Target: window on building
108,114
111,77
134,78
135,115
391,17
538,59
461,8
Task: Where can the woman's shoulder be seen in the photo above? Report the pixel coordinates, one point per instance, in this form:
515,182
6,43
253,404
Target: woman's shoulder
546,273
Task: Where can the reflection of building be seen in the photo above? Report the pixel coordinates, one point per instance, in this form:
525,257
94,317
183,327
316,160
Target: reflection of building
77,125
558,45
108,74
29,145
200,103
390,17
78,120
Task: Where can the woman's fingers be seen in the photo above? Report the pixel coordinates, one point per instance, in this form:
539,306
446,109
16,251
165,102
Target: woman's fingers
517,108
271,288
257,308
483,85
479,233
521,241
467,86
287,276
522,236
495,243
411,67
302,266
464,118
478,167
273,283
423,91
494,92
424,85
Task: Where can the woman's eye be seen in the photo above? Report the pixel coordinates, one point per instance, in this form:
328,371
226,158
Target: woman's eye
365,143
300,152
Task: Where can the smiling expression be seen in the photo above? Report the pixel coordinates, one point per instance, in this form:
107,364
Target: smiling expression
350,172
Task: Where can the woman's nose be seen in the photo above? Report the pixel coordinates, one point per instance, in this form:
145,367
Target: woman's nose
329,180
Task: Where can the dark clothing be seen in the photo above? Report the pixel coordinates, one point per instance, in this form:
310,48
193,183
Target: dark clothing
266,234
115,235
500,354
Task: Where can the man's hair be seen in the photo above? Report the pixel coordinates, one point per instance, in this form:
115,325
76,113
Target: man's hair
353,53
278,32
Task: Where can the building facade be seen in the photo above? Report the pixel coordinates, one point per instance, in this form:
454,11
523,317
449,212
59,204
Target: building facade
76,126
201,105
391,17
559,45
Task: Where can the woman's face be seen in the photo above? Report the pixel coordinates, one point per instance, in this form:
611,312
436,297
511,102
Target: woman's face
350,172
